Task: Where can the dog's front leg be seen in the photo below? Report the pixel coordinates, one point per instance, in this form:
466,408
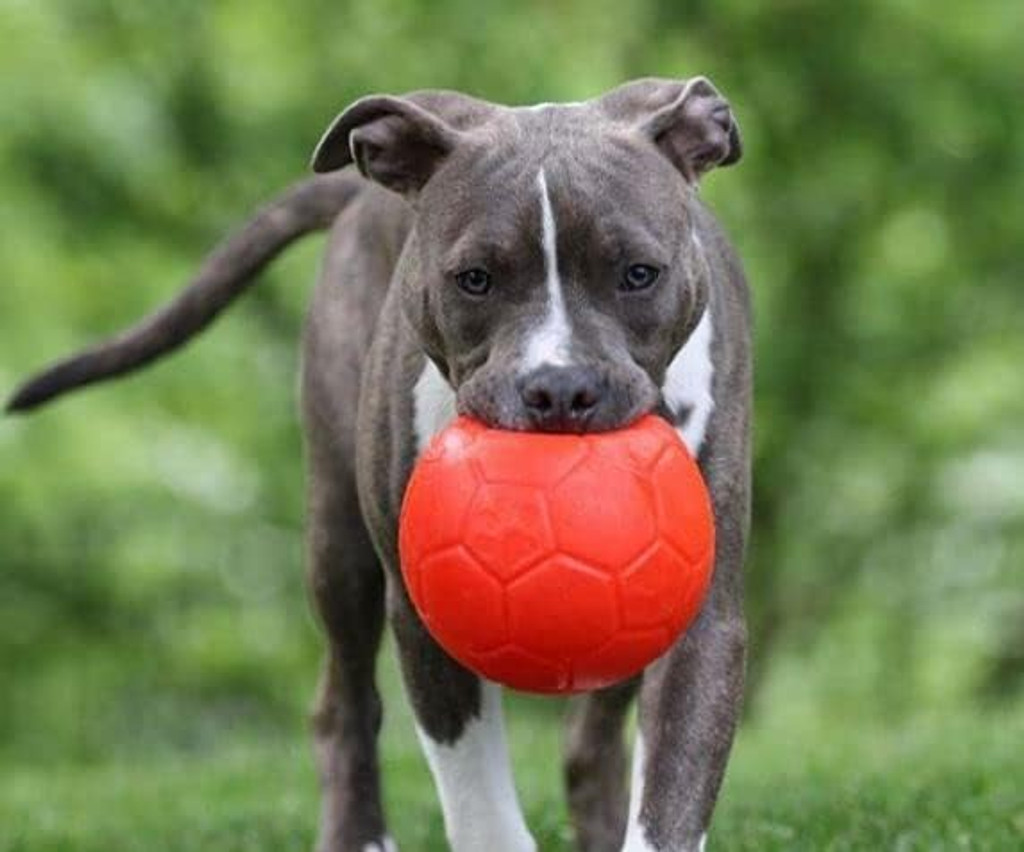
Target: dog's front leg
461,728
689,706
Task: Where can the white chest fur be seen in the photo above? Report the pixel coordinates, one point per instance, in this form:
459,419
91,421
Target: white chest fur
688,384
433,404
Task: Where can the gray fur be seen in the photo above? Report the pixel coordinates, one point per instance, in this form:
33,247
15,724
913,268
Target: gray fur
450,184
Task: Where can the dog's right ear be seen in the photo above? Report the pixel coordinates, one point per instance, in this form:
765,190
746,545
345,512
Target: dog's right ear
392,141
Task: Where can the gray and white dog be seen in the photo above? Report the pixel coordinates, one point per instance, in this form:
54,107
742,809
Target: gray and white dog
543,268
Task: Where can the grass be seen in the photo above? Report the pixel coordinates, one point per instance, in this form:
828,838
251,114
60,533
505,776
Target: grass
944,783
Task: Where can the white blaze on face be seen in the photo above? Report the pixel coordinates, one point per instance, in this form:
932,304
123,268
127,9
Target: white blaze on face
548,343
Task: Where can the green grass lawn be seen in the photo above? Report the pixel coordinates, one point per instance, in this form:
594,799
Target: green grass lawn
934,785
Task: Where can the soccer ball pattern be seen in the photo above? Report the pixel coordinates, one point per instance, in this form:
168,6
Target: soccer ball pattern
552,562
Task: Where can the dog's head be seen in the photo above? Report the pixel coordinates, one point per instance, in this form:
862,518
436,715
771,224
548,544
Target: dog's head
553,269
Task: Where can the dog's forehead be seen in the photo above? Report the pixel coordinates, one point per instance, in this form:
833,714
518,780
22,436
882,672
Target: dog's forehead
568,112
572,126
596,172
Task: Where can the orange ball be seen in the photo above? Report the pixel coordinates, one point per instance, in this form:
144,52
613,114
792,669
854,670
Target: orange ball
555,562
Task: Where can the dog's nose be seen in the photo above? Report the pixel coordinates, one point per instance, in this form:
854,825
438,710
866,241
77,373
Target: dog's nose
561,399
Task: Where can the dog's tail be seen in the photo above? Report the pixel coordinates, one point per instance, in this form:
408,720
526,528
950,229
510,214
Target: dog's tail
228,271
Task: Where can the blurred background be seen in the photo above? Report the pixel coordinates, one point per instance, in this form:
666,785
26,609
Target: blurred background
152,608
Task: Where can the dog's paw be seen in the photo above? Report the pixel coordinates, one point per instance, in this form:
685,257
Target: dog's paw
385,844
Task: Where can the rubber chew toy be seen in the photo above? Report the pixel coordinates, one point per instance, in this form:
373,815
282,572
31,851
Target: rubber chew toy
553,562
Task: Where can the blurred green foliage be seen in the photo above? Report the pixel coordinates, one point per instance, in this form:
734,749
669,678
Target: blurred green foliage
151,590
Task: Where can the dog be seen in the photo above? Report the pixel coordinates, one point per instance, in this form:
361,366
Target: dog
545,268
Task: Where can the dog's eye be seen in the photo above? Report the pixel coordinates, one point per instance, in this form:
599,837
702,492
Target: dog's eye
639,276
474,281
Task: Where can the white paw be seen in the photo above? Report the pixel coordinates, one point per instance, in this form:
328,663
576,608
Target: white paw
386,844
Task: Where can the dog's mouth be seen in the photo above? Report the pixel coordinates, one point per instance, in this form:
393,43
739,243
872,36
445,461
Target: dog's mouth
553,400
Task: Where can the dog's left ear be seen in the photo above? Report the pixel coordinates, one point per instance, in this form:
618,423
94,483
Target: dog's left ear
392,141
688,120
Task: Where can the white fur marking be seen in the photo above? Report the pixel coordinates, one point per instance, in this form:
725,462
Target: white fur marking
550,105
474,781
548,343
473,776
688,384
386,845
433,404
635,838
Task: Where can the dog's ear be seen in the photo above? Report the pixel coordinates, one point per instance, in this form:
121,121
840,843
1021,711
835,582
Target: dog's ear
392,141
688,120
